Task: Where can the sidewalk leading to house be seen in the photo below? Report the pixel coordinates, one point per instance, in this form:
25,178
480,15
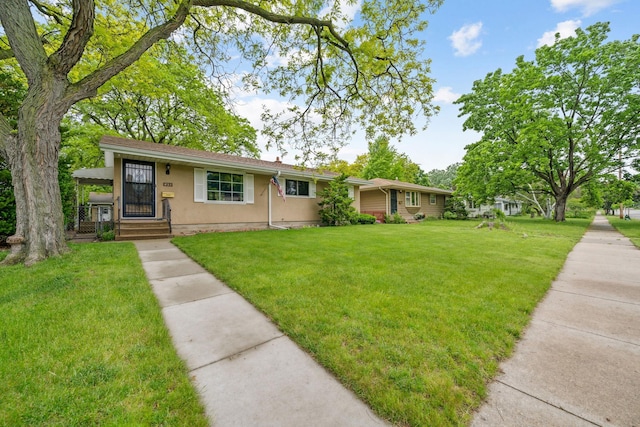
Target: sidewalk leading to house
578,362
247,372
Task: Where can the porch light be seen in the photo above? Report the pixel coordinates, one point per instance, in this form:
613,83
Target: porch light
168,169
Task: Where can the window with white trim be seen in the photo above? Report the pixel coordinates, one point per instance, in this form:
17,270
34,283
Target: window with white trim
432,199
412,199
217,186
225,186
296,188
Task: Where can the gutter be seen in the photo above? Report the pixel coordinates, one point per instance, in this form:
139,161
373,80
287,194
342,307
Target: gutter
229,164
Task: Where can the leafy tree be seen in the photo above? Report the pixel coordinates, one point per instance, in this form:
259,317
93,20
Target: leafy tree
384,161
338,76
336,206
165,98
558,121
616,192
444,178
349,169
454,208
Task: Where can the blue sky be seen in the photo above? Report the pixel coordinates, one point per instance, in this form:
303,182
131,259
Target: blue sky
466,39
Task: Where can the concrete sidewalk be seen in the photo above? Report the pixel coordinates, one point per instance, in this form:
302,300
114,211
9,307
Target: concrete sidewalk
578,363
247,372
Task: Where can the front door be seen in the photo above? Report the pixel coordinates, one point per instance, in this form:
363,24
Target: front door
139,189
394,201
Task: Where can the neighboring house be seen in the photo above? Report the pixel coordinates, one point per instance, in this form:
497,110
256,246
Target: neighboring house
202,191
386,197
508,206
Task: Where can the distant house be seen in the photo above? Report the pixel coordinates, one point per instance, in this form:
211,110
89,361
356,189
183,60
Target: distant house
508,206
192,190
386,197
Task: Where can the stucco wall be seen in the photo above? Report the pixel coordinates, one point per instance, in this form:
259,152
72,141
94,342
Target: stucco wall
188,215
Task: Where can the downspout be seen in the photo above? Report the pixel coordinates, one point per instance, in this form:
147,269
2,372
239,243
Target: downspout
271,225
386,201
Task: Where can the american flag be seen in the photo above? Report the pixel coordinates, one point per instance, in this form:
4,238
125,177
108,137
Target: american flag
274,181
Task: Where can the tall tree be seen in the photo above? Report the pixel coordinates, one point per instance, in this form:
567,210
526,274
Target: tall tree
444,178
561,120
384,161
339,76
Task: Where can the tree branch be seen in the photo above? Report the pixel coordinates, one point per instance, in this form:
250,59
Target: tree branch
285,19
48,11
76,39
89,85
26,44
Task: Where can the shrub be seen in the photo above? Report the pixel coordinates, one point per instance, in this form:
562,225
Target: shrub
454,209
396,218
335,206
449,215
364,219
576,208
419,216
107,236
499,215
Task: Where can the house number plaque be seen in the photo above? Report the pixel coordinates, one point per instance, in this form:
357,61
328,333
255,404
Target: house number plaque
167,184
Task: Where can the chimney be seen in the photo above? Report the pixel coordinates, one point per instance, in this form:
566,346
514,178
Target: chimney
278,160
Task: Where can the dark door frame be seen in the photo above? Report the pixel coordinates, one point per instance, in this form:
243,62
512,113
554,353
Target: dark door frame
138,189
394,201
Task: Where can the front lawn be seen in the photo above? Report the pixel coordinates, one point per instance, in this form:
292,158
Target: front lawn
414,318
83,342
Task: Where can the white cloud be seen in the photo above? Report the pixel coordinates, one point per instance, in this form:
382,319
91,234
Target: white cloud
348,10
445,95
565,28
465,40
588,7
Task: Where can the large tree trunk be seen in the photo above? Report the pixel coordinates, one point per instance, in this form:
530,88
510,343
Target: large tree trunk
561,207
33,160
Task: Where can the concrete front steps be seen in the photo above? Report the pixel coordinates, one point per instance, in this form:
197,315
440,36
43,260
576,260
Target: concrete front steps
143,229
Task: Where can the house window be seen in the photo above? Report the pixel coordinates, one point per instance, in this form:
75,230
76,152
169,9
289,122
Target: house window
297,188
432,199
224,186
412,199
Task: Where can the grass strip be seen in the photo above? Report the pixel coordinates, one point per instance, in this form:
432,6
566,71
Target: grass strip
629,228
413,318
83,342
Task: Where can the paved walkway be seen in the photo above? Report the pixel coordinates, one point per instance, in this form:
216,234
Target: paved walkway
578,363
247,372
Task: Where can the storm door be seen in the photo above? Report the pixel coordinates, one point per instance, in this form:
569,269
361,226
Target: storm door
394,201
139,190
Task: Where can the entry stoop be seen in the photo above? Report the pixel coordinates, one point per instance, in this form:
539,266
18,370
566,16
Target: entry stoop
143,230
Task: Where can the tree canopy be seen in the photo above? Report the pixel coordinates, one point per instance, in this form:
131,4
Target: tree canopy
444,178
166,98
382,160
335,70
554,123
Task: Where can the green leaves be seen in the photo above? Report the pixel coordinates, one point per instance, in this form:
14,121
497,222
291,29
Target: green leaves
561,119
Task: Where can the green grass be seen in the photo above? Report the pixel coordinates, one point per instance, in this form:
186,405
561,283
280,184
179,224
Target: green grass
82,342
630,229
413,318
